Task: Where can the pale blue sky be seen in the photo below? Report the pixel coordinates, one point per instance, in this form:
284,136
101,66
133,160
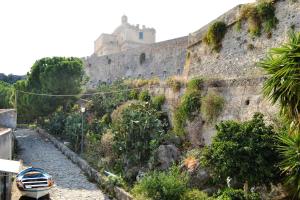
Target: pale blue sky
32,29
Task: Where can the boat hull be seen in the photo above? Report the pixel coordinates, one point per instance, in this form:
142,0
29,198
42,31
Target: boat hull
36,193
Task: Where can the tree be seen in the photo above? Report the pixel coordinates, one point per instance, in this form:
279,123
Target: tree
243,151
289,150
57,76
6,95
282,64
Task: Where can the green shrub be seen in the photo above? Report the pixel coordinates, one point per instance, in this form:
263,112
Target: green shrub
174,84
188,107
237,194
136,134
243,151
134,94
215,35
169,185
194,194
212,105
195,84
106,101
57,123
158,101
144,96
115,181
73,129
92,149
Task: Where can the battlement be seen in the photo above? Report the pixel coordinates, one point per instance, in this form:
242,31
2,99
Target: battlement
124,37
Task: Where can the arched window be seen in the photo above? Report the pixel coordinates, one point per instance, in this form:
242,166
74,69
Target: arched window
142,58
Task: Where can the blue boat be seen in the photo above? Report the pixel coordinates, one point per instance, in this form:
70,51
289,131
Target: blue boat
34,182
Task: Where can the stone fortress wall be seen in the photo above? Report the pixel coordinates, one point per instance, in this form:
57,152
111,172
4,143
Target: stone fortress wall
233,71
162,59
236,59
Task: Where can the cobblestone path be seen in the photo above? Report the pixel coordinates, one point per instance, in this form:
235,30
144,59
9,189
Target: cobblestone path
70,182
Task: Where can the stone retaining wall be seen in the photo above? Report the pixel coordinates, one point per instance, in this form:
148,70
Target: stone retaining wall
8,118
85,167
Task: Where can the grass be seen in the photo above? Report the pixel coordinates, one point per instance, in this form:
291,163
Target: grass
212,105
158,101
134,83
215,35
174,84
260,17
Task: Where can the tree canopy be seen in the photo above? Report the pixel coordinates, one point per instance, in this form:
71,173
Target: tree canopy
57,76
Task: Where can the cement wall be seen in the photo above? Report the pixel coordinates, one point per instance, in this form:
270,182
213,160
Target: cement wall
6,143
162,59
8,118
6,149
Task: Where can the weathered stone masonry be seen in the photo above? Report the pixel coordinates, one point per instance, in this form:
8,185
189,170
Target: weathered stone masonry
162,59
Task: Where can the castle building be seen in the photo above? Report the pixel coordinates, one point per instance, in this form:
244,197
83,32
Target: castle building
125,37
131,52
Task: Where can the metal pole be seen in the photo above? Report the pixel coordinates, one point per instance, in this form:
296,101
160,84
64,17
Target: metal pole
81,147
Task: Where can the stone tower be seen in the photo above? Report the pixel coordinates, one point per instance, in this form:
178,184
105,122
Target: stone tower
125,36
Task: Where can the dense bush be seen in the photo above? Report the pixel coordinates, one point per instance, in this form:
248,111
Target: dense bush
234,194
6,95
194,194
212,105
110,97
188,107
243,151
158,101
57,123
92,149
169,185
144,96
174,84
215,35
136,133
73,129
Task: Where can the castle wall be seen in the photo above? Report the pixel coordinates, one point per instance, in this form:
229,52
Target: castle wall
237,58
162,59
235,67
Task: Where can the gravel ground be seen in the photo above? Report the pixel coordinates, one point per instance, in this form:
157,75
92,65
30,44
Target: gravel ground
70,182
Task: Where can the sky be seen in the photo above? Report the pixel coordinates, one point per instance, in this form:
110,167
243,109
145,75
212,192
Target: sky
33,29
